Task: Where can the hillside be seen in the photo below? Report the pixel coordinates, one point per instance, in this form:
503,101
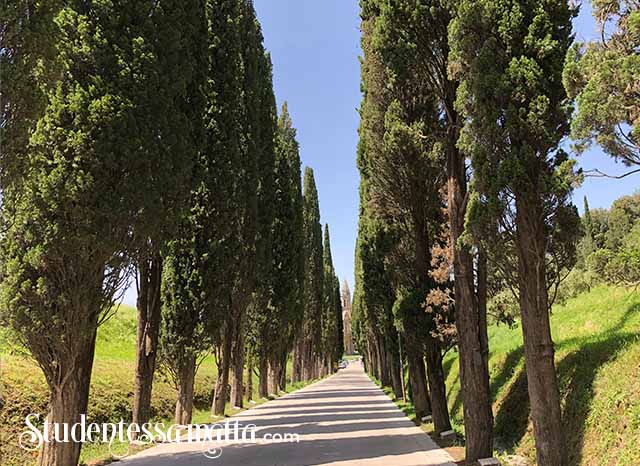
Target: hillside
597,338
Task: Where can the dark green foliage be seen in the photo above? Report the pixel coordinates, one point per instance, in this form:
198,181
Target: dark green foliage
518,113
338,349
105,148
76,199
603,78
287,234
331,308
313,275
262,111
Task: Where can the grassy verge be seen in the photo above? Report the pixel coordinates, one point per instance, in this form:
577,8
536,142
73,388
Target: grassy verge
597,337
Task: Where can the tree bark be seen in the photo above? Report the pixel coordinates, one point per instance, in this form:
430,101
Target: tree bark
237,382
308,361
68,402
282,368
250,363
222,383
184,404
470,324
296,374
148,329
437,388
538,345
263,388
394,365
274,377
417,380
385,371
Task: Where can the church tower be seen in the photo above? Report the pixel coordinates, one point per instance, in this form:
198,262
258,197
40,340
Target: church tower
346,318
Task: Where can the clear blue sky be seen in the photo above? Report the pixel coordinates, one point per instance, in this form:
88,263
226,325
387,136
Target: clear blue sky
315,47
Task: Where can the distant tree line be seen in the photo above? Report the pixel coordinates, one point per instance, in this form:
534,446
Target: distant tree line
465,193
141,139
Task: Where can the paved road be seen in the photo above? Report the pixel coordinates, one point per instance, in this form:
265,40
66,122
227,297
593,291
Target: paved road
344,420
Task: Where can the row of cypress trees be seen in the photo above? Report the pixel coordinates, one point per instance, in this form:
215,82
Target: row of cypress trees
462,117
143,138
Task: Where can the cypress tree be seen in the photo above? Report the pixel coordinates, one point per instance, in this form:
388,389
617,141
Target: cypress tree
259,116
338,349
96,129
310,335
329,308
509,56
405,180
288,249
224,158
171,94
413,39
183,334
263,321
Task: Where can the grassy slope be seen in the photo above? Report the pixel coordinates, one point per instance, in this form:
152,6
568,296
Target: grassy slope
23,389
597,338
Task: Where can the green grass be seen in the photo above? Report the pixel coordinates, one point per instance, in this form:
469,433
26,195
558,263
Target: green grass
597,337
23,389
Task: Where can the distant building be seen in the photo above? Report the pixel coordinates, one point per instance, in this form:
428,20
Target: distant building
346,318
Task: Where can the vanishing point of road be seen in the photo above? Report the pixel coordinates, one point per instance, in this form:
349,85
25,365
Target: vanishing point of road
344,420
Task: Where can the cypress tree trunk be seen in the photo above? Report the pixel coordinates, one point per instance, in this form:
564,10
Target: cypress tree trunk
250,379
375,359
68,402
274,376
282,370
307,361
222,384
538,345
394,366
149,318
417,380
263,391
437,388
470,324
296,375
237,383
385,372
184,404
372,359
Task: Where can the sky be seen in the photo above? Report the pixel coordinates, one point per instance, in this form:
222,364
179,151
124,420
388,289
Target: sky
315,49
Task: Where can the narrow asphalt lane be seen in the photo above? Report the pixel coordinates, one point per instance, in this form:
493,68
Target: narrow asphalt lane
344,420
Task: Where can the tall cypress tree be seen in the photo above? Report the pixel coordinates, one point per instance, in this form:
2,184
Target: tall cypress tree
263,321
175,34
310,336
413,39
329,306
225,160
259,117
405,179
183,336
115,108
509,56
288,250
338,349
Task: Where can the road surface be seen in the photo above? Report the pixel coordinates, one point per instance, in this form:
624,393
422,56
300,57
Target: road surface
344,420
